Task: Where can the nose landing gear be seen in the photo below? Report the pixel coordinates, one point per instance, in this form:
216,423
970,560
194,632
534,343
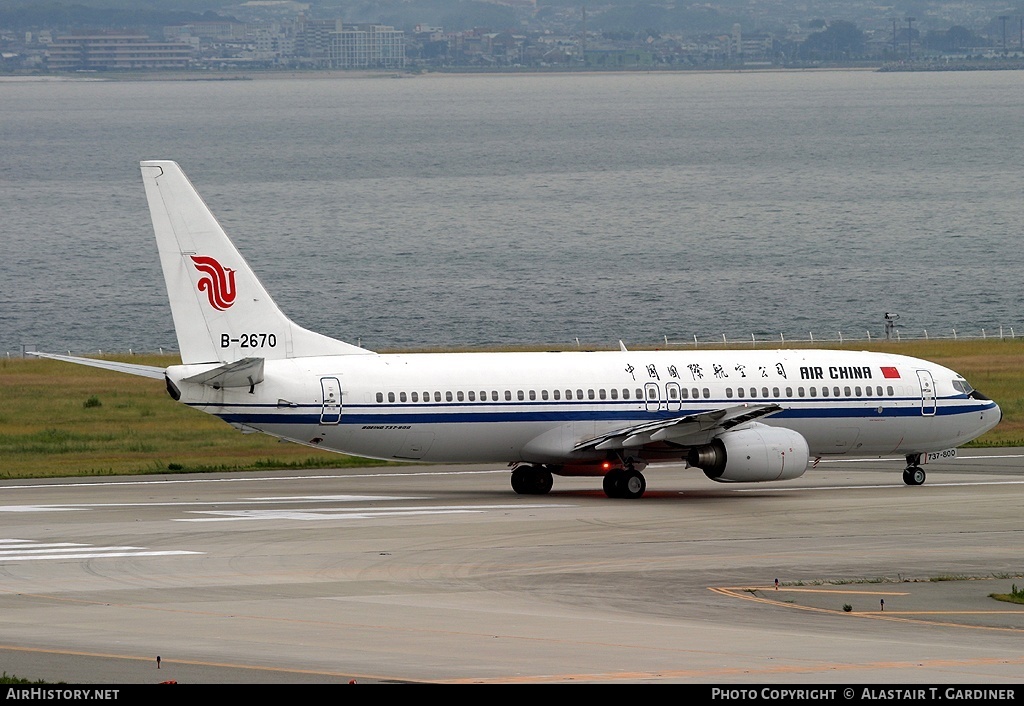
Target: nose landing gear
913,474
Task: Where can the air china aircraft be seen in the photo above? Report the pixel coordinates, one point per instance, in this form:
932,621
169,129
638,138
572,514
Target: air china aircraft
739,416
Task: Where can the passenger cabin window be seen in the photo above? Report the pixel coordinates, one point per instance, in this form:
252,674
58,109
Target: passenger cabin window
625,393
543,394
508,395
380,396
728,392
401,397
707,393
615,393
448,396
437,396
557,394
415,397
533,394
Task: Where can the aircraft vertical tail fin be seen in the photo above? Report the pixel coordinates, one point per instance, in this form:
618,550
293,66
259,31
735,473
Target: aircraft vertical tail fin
222,313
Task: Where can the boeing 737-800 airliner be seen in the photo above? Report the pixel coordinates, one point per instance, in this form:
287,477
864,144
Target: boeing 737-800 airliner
757,415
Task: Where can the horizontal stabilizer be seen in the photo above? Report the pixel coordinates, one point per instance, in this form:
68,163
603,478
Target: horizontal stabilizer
677,429
246,372
146,371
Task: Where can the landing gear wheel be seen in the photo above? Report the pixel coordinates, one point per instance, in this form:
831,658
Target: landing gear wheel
624,483
542,482
613,482
913,475
634,484
532,480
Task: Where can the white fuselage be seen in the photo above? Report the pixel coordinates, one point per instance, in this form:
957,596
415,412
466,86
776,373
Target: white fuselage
536,407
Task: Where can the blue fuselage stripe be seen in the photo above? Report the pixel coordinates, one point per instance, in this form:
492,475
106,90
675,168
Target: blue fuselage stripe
548,412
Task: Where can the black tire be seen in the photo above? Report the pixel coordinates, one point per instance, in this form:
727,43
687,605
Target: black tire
633,485
521,480
914,475
532,480
613,483
542,481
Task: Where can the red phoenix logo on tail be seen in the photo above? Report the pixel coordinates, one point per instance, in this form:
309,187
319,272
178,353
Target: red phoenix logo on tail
217,281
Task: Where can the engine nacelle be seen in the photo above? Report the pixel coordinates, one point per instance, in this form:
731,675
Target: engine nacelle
755,453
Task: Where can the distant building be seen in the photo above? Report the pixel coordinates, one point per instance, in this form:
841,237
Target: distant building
751,46
367,46
314,39
618,58
111,52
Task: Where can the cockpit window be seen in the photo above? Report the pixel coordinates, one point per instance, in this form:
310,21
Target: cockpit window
962,385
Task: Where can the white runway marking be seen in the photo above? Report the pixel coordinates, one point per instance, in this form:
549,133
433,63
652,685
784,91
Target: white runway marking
247,508
194,503
345,513
27,550
930,484
248,479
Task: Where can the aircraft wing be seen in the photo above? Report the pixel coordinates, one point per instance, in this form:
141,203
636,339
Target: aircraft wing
690,429
147,371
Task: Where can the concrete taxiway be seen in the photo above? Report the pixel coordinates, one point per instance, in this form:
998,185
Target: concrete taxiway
444,575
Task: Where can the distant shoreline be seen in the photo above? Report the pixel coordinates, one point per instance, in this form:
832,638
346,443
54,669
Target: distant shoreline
249,74
257,75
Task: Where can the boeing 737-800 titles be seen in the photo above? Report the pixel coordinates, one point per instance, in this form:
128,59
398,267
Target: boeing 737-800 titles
740,416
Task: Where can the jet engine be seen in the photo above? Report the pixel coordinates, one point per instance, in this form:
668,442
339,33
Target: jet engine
755,453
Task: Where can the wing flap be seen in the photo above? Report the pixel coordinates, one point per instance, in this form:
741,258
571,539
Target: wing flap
679,429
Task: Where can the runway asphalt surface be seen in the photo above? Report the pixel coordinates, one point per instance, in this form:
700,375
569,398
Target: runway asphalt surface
444,575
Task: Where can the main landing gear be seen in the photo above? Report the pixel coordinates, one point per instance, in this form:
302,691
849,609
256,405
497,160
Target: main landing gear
624,482
913,474
531,480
